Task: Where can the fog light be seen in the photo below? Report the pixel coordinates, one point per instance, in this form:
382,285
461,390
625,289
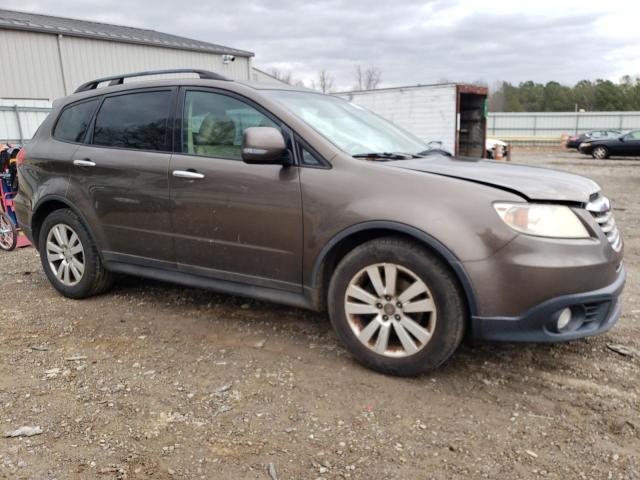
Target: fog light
563,319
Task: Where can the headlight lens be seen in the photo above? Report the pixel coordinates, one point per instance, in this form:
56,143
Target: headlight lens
585,145
557,221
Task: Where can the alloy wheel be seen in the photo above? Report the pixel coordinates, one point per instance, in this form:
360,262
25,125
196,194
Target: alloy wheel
390,309
65,254
600,153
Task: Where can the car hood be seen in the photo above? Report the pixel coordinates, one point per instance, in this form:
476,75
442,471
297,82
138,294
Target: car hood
533,183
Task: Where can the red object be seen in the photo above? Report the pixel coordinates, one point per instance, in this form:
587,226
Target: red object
20,157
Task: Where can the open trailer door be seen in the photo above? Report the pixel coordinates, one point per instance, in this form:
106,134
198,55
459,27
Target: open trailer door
471,128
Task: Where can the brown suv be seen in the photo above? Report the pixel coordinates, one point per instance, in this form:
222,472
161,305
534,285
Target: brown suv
293,196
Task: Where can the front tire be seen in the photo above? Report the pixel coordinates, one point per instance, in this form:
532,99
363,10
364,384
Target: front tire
70,257
600,153
396,307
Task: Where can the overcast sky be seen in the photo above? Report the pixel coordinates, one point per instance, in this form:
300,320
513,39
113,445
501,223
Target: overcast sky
411,42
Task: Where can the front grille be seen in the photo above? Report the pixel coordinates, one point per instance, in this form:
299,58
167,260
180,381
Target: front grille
600,208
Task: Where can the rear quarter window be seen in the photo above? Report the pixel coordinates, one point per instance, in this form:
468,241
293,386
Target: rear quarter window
74,121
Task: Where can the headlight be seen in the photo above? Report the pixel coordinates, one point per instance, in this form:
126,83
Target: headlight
585,145
542,220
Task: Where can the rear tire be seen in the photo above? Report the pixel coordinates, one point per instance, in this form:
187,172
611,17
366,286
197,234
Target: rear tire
70,257
8,233
373,329
600,153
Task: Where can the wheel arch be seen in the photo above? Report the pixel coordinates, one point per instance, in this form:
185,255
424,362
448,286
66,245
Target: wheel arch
45,207
344,241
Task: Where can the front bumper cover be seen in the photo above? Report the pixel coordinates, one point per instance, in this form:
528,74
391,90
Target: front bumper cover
593,313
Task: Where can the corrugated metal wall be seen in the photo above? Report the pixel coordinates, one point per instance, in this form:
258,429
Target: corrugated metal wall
428,112
85,59
30,66
19,119
552,125
31,62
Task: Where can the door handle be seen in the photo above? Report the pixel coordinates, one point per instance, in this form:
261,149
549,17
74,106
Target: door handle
192,175
84,163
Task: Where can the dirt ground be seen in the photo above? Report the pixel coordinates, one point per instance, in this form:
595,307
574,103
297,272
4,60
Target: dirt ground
158,381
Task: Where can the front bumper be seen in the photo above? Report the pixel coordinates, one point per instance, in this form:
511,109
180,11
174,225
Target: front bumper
593,313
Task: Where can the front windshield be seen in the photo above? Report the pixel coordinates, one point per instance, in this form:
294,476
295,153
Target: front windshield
351,128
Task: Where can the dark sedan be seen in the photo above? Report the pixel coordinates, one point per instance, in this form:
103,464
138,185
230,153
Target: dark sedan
575,140
627,145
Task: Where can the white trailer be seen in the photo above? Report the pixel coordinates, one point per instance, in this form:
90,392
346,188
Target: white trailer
451,113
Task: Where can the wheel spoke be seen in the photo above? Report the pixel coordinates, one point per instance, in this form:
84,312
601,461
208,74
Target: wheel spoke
73,239
78,265
390,276
54,257
77,249
383,338
368,331
413,291
376,280
420,306
53,247
74,270
60,235
407,342
422,334
357,292
59,271
360,308
67,279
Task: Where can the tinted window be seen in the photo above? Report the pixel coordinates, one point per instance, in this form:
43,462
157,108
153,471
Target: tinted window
135,120
634,135
213,124
74,121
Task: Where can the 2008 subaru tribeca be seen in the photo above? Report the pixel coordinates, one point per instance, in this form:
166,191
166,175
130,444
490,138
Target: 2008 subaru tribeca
284,194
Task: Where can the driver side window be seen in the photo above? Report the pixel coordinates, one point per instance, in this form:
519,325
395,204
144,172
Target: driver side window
213,124
633,135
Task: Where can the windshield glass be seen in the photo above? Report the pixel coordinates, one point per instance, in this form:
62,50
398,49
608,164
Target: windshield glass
351,128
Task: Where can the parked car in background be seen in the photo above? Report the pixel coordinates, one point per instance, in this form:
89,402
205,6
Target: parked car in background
575,140
627,145
284,194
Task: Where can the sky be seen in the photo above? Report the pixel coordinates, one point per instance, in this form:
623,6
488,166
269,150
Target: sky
410,42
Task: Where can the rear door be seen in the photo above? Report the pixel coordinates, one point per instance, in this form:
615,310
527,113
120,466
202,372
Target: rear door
120,177
232,221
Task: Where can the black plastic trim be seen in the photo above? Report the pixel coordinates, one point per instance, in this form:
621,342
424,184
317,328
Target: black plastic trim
419,235
119,79
299,300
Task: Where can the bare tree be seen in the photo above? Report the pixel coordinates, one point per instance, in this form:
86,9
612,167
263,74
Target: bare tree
325,81
367,79
282,75
359,74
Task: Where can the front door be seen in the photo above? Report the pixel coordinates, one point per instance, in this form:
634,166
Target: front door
233,221
122,173
630,144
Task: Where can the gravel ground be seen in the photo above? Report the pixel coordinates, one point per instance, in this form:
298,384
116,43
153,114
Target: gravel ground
157,381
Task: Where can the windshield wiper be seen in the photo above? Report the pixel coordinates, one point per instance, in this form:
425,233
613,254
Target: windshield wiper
386,155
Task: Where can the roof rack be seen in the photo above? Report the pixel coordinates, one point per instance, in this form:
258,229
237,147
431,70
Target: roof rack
119,79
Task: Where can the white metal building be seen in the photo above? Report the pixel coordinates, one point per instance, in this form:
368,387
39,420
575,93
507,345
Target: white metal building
45,57
453,114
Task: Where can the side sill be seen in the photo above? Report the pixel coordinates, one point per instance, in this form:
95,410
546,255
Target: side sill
300,300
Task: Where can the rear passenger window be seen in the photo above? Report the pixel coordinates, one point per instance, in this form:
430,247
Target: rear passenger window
134,120
213,124
74,121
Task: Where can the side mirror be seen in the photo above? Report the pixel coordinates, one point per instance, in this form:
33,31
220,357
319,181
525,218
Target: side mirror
263,145
621,138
